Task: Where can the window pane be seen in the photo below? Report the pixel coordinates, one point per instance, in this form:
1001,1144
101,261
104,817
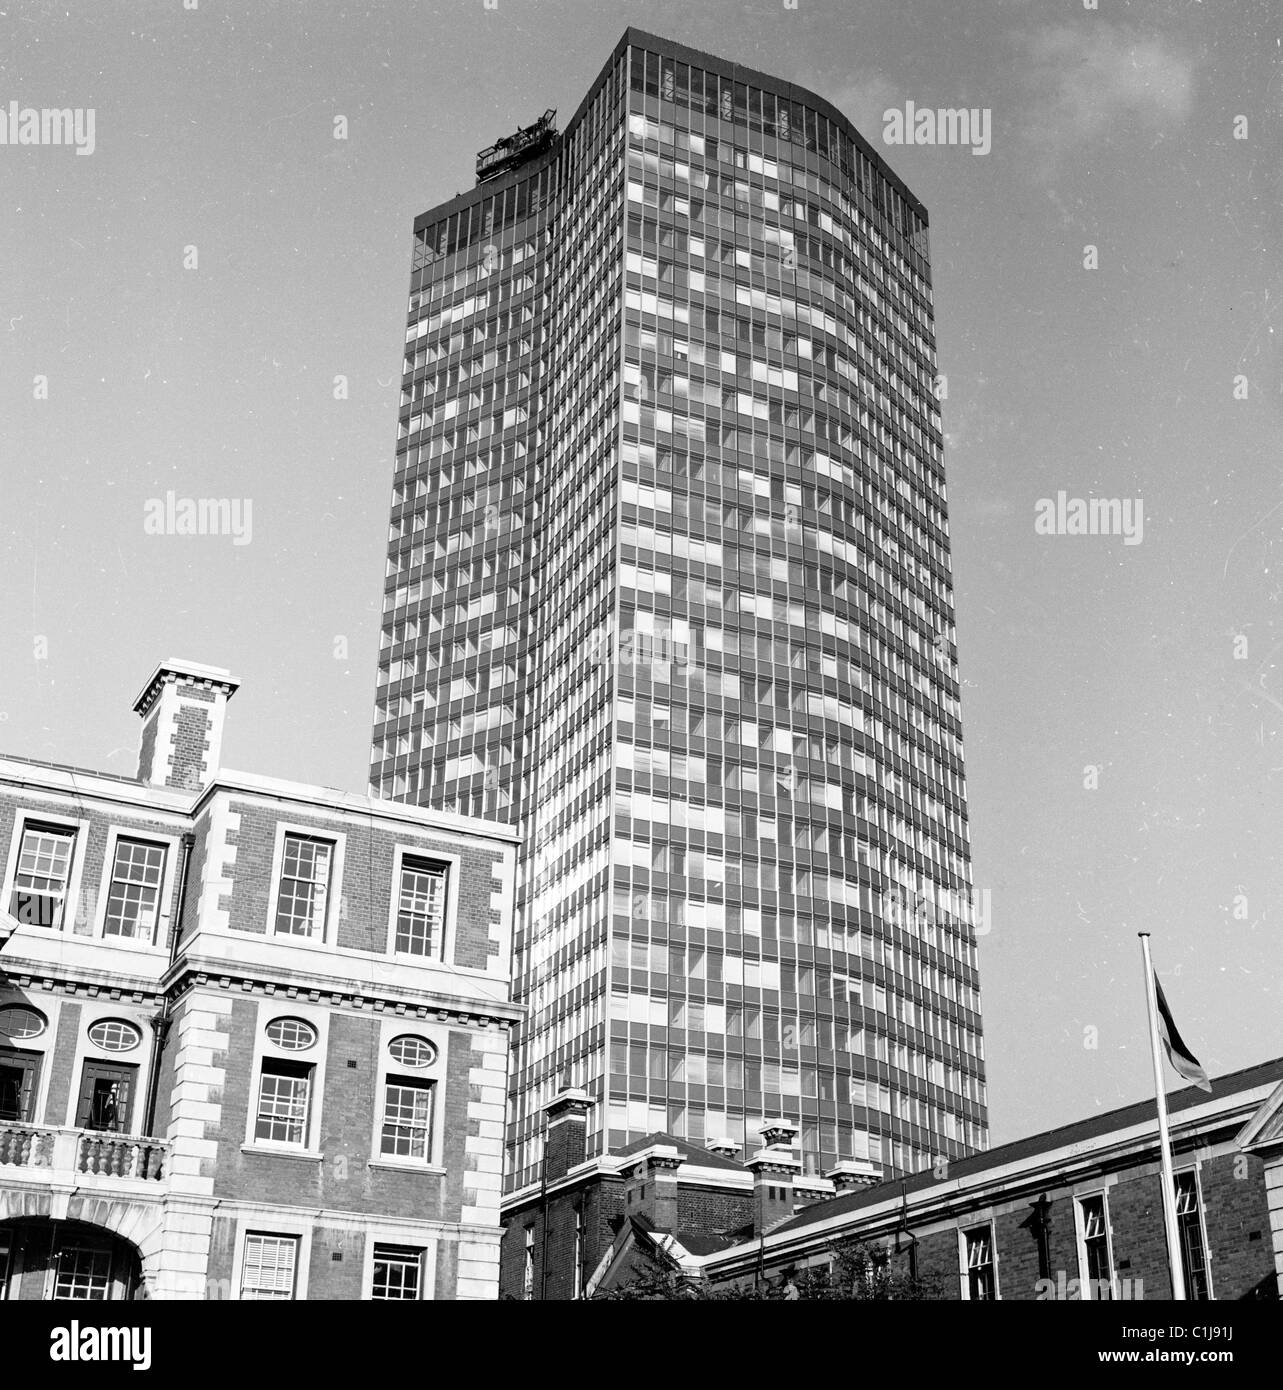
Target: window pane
305,876
268,1271
396,1272
134,898
420,923
282,1103
40,883
407,1119
83,1273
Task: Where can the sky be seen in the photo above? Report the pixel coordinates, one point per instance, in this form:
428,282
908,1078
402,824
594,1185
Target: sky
177,306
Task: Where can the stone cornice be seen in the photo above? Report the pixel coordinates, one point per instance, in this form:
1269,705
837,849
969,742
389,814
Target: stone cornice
187,975
196,673
113,988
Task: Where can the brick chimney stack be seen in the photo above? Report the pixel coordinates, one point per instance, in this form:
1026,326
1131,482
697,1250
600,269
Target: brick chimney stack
566,1133
182,707
774,1169
650,1188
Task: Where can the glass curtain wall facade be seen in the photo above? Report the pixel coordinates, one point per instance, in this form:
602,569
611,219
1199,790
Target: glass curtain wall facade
669,586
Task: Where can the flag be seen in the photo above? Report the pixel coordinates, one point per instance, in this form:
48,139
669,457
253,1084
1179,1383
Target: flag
1177,1053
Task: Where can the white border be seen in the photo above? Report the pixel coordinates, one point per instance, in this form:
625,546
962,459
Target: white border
164,918
387,1234
270,1008
94,1011
333,892
436,1073
44,1043
1084,1284
963,1269
80,828
272,1223
453,865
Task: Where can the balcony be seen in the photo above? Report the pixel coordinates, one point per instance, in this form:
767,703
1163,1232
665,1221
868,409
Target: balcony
84,1157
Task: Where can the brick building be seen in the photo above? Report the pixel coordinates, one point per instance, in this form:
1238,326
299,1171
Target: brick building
253,1034
1069,1214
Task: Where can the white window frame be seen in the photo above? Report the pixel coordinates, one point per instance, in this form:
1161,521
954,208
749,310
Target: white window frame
268,1010
1080,1238
269,1223
27,816
435,1075
328,935
164,917
1197,1170
86,1050
964,1268
44,1044
451,864
391,1235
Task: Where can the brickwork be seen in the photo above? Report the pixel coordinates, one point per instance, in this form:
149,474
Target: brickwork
191,748
711,1212
209,1178
601,1203
59,1062
365,893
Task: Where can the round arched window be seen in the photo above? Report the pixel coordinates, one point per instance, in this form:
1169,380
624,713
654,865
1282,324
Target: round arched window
291,1034
115,1035
411,1051
19,1022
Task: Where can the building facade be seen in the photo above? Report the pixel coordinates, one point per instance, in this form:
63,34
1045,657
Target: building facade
669,588
253,1035
1072,1214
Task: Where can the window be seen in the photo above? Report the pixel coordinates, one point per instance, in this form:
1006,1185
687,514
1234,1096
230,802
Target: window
420,921
284,1089
268,1269
83,1273
106,1097
304,886
407,1118
412,1051
133,901
19,1074
979,1271
114,1035
291,1034
1097,1266
17,1022
1190,1224
398,1272
44,871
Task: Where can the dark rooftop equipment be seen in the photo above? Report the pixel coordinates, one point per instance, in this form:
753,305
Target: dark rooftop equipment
515,149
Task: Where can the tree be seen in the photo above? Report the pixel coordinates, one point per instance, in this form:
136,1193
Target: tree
857,1272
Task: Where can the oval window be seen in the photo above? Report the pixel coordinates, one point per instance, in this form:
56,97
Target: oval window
19,1022
291,1034
410,1051
114,1035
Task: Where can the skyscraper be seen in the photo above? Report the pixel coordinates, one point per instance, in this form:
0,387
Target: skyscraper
669,587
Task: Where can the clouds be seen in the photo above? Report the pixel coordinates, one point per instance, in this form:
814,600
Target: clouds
1092,80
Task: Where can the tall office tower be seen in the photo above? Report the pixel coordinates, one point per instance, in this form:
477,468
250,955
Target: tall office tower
669,587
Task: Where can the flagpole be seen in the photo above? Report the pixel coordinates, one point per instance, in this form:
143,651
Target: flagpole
1164,1139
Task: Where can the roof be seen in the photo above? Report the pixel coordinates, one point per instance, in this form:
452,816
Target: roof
1080,1132
692,1153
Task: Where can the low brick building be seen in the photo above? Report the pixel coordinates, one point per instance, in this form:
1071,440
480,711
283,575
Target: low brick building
253,1034
1073,1213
